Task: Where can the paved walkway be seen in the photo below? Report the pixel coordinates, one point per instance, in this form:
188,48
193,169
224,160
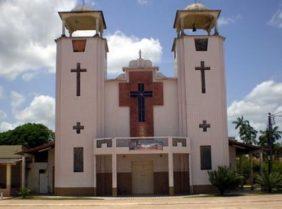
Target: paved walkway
180,202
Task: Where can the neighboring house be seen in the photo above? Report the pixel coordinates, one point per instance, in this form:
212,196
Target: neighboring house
237,148
12,176
38,174
40,168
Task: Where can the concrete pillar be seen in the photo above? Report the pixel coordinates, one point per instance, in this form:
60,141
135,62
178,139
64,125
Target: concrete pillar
97,26
114,174
190,173
170,174
63,30
94,175
8,178
23,172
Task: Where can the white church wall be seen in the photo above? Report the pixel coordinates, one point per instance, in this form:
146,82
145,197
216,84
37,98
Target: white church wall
70,109
166,116
197,106
117,118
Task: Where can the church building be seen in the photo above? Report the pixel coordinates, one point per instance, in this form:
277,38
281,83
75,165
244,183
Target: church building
141,133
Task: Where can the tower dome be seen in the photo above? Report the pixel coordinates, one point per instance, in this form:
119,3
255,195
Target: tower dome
196,16
82,7
196,6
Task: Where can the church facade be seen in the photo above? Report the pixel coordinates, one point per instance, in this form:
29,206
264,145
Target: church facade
141,133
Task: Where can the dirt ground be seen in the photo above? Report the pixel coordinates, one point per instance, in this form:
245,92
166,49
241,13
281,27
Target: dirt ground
178,202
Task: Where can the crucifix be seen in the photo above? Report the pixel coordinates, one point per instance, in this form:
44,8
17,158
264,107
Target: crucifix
202,68
141,94
78,127
78,70
204,126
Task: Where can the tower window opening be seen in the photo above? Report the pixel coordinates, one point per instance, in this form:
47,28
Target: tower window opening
201,44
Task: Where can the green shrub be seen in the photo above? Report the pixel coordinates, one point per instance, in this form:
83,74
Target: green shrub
24,192
224,179
269,182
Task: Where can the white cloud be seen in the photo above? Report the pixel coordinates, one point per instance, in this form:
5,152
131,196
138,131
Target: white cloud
228,20
17,100
27,33
276,19
123,48
2,115
143,2
5,126
265,97
28,76
40,110
1,92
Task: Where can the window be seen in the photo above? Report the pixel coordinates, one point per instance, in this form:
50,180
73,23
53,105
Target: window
78,45
78,159
206,163
201,44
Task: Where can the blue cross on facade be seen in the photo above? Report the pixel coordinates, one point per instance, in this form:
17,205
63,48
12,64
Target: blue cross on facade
141,94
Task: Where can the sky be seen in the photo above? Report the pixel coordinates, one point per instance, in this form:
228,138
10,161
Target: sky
253,52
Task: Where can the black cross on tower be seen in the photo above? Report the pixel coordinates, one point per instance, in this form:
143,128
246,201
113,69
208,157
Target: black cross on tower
78,70
141,94
203,76
204,126
78,127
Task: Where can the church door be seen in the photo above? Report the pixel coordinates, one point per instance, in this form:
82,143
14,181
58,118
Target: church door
142,177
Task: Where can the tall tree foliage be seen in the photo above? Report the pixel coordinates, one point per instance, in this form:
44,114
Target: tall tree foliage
247,133
273,134
28,135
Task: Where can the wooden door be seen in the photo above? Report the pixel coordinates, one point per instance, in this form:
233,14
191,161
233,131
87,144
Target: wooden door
142,177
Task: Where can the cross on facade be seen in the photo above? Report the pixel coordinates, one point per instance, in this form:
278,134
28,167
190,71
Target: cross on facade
202,68
78,127
78,70
204,126
141,94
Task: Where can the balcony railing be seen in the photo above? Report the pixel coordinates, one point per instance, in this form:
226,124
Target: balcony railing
142,143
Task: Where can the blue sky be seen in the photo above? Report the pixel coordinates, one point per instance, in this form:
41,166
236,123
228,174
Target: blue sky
253,51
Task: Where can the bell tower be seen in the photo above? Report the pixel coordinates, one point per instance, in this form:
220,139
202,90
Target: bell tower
80,79
199,57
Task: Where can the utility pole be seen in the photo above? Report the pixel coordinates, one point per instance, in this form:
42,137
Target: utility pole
270,143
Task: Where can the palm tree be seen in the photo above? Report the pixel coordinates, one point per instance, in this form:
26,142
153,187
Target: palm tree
247,133
273,134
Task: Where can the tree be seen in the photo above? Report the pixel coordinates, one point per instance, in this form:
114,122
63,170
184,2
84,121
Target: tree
28,135
224,179
273,134
247,133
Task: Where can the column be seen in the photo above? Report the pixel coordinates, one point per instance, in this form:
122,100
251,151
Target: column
23,172
216,29
170,173
114,174
8,178
97,26
94,175
190,174
63,30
